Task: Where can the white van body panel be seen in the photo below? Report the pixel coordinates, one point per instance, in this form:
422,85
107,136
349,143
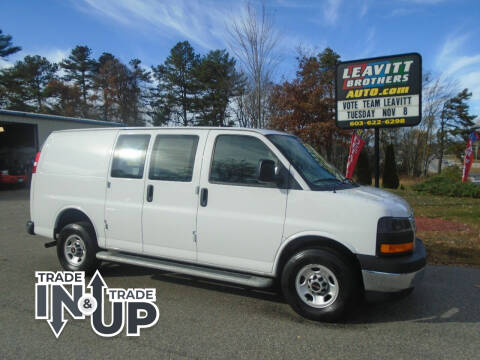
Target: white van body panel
392,204
72,174
242,228
170,219
302,235
123,207
350,216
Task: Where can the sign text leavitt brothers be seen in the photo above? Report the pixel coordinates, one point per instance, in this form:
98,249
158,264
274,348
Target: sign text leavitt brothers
379,92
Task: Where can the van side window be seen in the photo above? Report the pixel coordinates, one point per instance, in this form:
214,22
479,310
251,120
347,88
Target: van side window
173,157
236,160
129,156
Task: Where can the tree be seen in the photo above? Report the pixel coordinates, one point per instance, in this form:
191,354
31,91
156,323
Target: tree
123,94
306,106
103,84
253,40
177,87
363,171
434,94
111,84
242,104
12,93
121,90
390,177
67,99
6,46
26,83
218,82
128,85
79,67
416,147
455,123
139,81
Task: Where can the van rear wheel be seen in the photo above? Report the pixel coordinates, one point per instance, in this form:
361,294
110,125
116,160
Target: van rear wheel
319,284
77,247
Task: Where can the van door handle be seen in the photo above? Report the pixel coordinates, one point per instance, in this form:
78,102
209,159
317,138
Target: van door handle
149,193
204,197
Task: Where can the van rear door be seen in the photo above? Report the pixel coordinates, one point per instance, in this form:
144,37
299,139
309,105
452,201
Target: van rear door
171,200
125,191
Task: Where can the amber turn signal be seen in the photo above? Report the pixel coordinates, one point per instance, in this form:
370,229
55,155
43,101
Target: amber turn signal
396,248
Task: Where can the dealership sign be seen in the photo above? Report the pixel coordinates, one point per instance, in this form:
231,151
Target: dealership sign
379,92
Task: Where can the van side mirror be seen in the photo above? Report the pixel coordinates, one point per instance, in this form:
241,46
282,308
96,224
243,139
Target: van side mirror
266,171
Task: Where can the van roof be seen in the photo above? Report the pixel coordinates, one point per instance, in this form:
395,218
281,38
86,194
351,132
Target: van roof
260,131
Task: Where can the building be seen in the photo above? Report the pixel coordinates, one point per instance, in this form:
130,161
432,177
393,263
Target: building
22,135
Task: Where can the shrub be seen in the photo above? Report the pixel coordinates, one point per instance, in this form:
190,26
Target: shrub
452,172
363,171
390,177
448,183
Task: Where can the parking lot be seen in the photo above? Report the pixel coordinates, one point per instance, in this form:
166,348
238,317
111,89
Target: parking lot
202,319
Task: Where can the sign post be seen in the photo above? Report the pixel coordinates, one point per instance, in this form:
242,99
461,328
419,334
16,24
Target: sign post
377,157
379,92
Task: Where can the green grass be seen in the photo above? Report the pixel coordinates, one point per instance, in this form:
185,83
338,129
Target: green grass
448,247
465,210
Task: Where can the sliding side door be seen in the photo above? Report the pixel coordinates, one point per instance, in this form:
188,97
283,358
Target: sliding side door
171,194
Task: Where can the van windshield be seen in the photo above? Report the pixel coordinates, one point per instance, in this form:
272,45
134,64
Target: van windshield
314,169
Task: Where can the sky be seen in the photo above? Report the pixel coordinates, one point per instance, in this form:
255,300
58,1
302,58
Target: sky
445,32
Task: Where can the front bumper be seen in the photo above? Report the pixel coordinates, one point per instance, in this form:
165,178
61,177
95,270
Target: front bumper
392,274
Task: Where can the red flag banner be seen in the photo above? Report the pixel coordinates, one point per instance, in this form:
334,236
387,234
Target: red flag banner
356,146
468,160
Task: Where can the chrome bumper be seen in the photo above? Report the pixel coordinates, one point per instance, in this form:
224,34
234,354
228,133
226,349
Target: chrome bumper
390,282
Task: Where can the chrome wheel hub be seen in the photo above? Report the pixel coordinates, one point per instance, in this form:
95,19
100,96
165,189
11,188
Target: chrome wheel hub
75,250
317,285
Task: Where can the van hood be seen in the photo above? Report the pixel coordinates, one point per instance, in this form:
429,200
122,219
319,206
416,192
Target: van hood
392,204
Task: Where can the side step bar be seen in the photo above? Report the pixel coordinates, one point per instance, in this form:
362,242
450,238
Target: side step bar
187,269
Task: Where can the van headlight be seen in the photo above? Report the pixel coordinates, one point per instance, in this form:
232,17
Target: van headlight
395,235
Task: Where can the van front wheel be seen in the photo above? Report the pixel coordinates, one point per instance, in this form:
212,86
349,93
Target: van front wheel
319,284
77,248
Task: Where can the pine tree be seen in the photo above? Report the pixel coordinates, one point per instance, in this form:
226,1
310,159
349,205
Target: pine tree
139,80
390,177
455,124
6,46
121,90
66,99
177,87
363,171
218,82
104,83
27,81
79,67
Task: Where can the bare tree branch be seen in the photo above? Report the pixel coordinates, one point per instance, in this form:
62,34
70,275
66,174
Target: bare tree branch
253,40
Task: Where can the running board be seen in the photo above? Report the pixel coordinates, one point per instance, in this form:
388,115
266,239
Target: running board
187,269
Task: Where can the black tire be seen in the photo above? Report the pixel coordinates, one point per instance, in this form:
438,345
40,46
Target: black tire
85,232
345,278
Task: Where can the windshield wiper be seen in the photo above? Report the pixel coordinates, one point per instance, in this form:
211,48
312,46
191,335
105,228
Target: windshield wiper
325,180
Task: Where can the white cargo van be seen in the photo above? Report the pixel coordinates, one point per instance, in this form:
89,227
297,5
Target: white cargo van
246,206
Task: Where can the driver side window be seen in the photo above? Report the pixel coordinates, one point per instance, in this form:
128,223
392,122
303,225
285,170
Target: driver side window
236,160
